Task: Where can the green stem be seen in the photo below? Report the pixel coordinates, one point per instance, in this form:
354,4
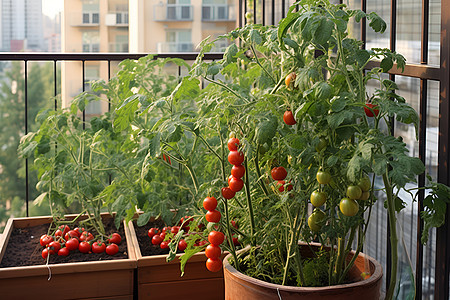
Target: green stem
226,87
249,205
193,176
261,66
339,260
258,172
393,237
230,237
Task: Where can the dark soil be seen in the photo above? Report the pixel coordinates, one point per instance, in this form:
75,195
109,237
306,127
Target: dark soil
145,243
23,248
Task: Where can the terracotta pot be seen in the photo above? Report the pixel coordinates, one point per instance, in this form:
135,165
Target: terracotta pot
107,279
158,279
239,286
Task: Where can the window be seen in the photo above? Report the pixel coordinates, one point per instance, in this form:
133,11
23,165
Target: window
178,41
179,10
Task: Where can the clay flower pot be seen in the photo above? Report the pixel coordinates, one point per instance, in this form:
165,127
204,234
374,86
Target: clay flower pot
239,286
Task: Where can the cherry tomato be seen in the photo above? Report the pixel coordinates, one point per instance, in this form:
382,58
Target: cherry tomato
63,251
213,216
321,145
233,144
157,239
290,79
236,158
98,247
152,232
281,184
288,118
354,192
370,109
58,233
236,184
74,233
323,177
318,198
164,244
227,193
316,220
236,241
234,224
210,203
278,173
115,238
348,207
163,235
216,237
213,251
364,196
65,229
72,244
84,247
53,247
175,229
44,253
112,249
86,236
214,265
238,171
182,245
365,184
45,240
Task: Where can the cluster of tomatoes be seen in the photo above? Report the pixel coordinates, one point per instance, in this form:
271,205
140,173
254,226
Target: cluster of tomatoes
236,158
65,240
162,238
279,174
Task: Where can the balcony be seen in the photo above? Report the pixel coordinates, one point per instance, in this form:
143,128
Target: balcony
175,47
93,47
118,47
118,18
218,13
172,12
84,19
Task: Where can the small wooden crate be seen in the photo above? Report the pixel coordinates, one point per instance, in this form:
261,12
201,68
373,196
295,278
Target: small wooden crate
158,279
107,279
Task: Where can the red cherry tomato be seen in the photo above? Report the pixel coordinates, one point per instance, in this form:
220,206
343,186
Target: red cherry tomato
84,247
58,233
53,247
233,144
72,244
216,237
45,240
152,232
210,203
214,265
164,244
282,184
63,251
213,216
236,184
98,247
213,251
236,158
86,236
157,239
278,173
112,249
234,224
288,118
44,253
236,241
370,109
175,229
238,171
227,193
115,238
182,245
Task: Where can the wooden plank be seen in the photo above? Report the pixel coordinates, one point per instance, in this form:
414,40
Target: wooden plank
5,237
205,289
121,297
70,285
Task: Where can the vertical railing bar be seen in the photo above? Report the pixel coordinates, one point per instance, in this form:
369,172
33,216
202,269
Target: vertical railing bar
442,270
109,77
245,10
27,177
55,83
283,5
254,12
273,12
263,12
422,145
83,71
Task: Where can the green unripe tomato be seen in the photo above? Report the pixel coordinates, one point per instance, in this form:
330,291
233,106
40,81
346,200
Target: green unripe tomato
316,219
318,198
365,196
354,192
323,177
365,184
348,207
321,145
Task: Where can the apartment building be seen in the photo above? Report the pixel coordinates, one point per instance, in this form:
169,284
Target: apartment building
136,26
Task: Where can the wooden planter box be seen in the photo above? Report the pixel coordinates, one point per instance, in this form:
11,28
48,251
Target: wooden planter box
158,279
107,279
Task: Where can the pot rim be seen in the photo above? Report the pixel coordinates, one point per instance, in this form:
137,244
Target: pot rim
372,280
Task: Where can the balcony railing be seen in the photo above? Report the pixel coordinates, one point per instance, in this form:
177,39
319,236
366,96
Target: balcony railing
218,13
118,18
84,19
172,12
175,47
118,47
94,47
